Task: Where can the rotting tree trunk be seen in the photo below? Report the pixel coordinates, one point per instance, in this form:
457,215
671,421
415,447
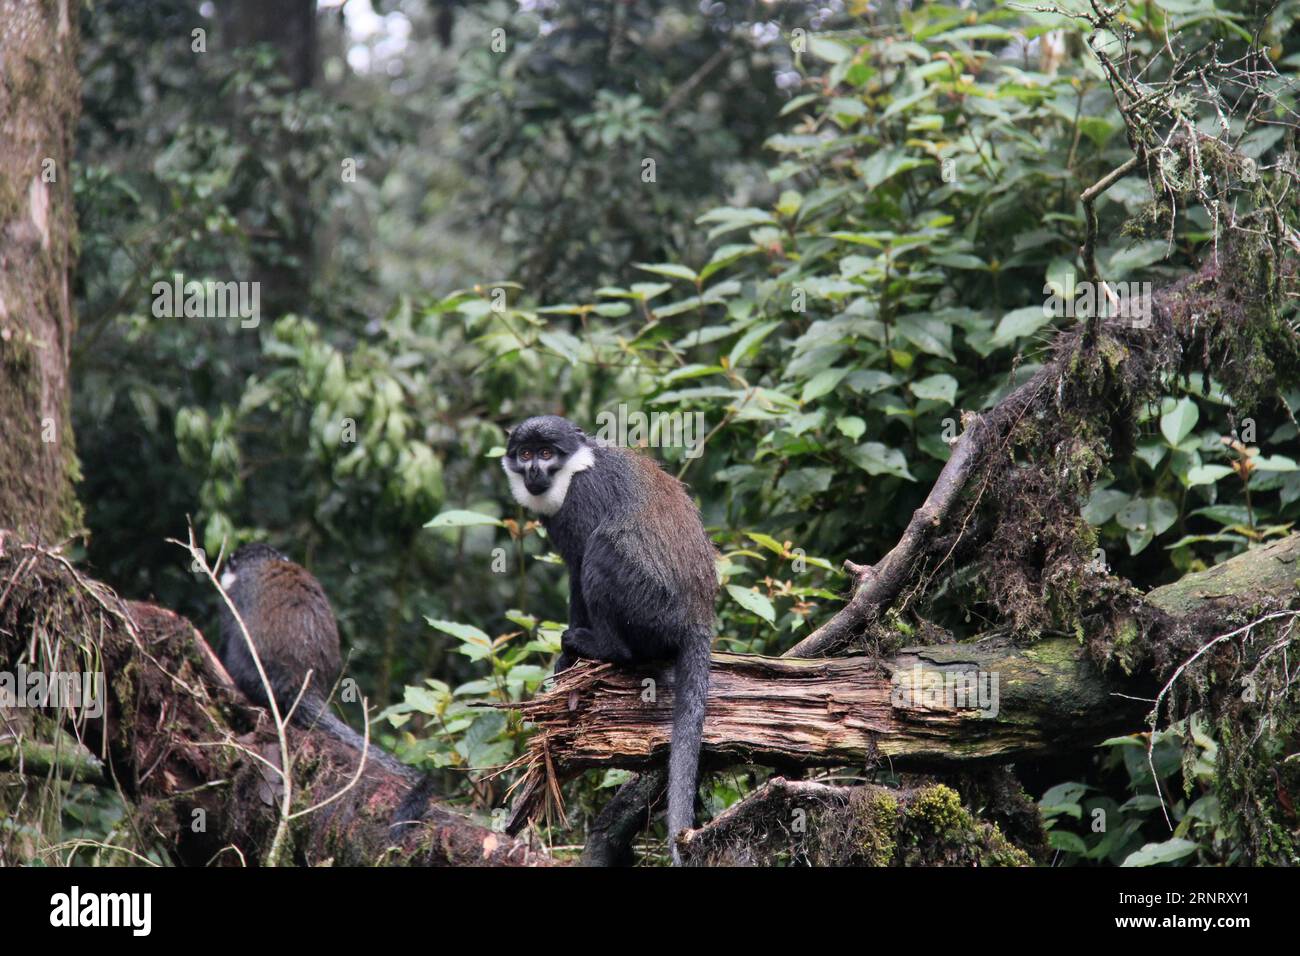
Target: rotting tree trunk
194,759
40,98
1047,696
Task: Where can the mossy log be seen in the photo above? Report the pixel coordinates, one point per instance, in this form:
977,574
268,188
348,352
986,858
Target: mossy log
196,761
907,711
806,822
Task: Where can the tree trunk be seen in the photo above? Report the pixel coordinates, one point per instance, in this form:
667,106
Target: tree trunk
40,97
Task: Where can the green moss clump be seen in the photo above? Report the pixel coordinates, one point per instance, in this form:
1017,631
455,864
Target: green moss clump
880,816
938,831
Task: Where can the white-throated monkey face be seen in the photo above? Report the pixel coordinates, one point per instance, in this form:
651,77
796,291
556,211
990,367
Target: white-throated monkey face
541,458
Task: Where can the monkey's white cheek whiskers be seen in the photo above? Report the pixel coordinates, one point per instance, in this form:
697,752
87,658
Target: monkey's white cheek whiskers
227,579
551,500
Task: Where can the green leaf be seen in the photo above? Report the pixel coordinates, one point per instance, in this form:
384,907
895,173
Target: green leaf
1064,793
930,335
753,602
939,388
1153,854
730,218
1067,842
563,343
884,164
1018,324
1206,474
725,256
851,426
1274,463
877,459
1104,504
832,51
462,519
1148,514
750,341
467,633
823,382
668,269
1177,423
766,541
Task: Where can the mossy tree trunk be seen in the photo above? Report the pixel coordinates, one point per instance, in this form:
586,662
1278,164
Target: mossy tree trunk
40,95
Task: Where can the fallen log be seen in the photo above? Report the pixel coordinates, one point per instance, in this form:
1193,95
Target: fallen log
927,708
199,765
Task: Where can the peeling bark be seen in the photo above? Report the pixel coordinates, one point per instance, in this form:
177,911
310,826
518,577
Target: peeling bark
858,711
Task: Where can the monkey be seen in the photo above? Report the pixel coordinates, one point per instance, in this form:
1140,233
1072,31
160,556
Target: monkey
292,626
642,576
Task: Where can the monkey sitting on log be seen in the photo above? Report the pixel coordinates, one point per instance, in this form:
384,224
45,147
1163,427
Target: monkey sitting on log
642,578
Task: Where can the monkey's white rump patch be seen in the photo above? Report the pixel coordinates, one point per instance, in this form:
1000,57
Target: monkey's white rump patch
553,499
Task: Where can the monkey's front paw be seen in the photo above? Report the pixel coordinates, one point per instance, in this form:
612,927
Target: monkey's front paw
575,642
563,663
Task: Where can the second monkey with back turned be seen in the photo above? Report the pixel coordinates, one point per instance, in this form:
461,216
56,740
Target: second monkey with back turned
292,626
642,579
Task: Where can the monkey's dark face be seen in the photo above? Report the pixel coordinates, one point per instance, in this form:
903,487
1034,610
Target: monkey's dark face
542,456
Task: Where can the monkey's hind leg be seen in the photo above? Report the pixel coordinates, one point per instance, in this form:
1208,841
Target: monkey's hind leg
597,643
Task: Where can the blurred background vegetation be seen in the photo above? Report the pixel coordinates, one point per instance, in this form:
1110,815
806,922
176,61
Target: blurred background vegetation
827,227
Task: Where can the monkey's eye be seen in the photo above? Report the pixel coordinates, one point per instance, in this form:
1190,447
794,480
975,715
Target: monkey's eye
525,456
546,454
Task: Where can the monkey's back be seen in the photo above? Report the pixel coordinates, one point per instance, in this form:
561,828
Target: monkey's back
292,625
660,532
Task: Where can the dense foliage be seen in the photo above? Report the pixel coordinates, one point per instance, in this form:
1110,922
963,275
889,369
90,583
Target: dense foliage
813,240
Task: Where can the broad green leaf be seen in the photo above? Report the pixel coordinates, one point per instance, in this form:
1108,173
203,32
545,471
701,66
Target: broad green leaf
1274,463
462,519
1206,474
766,540
1066,842
877,459
832,51
940,388
753,602
562,342
1104,504
851,426
1153,854
1018,324
1064,793
823,382
930,335
750,341
1148,514
1177,423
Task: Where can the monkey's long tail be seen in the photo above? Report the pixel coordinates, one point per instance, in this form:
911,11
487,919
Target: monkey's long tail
312,712
690,694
